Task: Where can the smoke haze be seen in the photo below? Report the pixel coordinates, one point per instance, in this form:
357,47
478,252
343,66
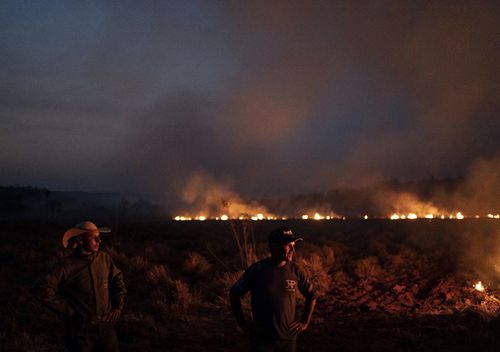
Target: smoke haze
273,97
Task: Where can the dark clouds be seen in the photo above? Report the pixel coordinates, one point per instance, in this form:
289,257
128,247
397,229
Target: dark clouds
277,97
437,57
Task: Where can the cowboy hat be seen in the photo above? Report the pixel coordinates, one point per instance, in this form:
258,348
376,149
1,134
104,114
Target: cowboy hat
82,228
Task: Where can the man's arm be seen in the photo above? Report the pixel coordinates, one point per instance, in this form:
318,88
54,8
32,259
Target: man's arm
237,310
47,291
117,287
308,311
117,293
307,290
298,326
237,291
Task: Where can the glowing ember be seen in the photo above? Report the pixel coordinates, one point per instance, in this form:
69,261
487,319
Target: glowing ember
365,217
459,216
479,286
412,216
305,217
224,217
394,217
429,216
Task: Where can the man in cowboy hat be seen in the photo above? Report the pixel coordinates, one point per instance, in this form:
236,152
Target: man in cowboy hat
87,289
273,283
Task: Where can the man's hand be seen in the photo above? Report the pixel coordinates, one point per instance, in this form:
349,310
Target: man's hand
113,316
296,327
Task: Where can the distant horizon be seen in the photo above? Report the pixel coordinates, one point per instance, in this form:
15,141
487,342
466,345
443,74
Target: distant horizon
373,184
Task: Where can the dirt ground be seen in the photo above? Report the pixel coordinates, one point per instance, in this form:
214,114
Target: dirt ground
384,285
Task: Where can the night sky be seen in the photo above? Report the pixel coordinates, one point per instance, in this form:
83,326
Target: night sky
266,97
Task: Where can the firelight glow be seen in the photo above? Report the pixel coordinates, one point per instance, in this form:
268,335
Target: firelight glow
318,216
479,286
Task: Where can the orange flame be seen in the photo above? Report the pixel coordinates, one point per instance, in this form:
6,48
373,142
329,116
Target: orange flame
479,286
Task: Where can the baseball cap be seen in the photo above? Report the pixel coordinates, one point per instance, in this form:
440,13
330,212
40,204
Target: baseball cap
283,235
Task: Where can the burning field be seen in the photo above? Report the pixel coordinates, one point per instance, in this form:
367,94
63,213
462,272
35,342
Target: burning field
420,285
194,128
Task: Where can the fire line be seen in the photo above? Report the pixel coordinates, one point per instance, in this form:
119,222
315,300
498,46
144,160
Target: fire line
316,216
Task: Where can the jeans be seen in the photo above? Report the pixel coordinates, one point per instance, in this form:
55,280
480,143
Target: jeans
83,336
262,342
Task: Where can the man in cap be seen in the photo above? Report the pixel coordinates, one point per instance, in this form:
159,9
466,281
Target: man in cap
87,289
273,283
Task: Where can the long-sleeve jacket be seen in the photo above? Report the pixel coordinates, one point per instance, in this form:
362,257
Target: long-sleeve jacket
90,285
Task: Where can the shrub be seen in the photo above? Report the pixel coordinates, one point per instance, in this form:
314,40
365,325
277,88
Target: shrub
317,272
336,255
158,276
170,298
223,283
307,249
341,278
139,263
367,268
182,299
196,263
328,255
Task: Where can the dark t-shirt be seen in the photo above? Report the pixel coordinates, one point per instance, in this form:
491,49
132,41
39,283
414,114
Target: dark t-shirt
273,291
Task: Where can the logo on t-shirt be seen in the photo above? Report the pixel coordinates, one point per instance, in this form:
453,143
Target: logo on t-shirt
290,285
